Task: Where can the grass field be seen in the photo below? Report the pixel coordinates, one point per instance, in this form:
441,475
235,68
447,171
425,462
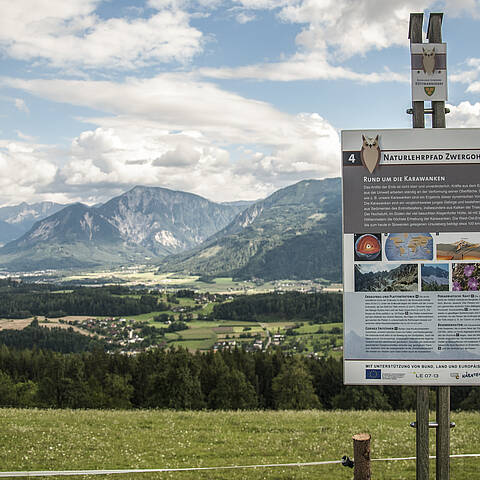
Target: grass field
72,440
147,275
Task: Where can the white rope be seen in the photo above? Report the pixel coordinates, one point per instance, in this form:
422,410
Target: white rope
155,470
414,458
67,473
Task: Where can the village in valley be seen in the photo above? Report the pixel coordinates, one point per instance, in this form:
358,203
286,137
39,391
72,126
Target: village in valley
188,319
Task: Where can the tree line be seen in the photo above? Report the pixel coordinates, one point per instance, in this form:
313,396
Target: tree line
316,307
26,300
23,300
177,379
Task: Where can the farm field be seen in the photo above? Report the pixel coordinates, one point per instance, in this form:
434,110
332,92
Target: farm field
79,439
21,323
201,335
149,277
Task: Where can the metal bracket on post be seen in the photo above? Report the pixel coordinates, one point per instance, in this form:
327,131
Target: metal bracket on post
426,111
432,424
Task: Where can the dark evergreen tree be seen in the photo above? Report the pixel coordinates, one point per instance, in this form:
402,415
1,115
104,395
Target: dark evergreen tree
292,387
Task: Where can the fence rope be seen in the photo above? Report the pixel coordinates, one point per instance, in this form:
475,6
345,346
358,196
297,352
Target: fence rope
71,473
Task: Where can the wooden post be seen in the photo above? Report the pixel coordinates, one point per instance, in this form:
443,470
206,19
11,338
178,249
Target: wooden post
422,426
415,35
361,457
434,35
443,434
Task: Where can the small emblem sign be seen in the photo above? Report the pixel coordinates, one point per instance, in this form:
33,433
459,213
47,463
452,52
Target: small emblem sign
429,90
429,71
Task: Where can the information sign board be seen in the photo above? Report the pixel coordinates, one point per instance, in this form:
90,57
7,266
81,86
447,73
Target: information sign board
429,71
411,253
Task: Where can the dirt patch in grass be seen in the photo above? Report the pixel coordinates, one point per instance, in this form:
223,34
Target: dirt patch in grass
21,323
223,329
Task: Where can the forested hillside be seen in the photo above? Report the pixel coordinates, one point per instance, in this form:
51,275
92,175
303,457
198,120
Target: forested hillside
180,380
317,307
295,233
22,300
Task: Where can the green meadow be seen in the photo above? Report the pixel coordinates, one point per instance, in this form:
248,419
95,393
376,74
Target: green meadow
81,439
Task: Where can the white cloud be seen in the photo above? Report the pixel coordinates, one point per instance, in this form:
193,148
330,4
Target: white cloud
465,114
469,76
24,136
130,154
183,4
266,4
314,154
244,17
336,30
175,131
457,8
26,168
21,106
333,31
352,27
69,34
184,155
474,87
171,102
311,66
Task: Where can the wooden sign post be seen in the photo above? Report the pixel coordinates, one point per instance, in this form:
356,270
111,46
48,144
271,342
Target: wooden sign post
422,421
434,35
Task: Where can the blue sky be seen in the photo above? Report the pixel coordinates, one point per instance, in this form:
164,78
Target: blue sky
227,99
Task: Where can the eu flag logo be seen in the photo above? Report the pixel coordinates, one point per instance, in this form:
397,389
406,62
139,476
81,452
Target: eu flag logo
373,374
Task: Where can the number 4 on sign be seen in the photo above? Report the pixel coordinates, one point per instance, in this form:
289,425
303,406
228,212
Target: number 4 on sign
351,158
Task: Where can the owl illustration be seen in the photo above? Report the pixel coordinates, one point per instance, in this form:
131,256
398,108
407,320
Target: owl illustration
370,153
428,60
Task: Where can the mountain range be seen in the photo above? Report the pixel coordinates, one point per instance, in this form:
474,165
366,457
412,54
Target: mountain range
143,223
18,219
294,233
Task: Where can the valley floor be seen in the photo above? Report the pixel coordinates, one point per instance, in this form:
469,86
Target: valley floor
81,439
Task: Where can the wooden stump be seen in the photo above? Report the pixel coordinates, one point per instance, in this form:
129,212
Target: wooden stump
361,454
